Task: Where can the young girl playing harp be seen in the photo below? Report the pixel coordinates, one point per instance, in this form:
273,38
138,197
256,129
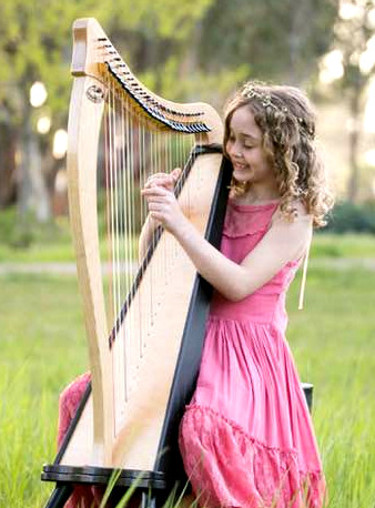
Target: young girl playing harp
247,438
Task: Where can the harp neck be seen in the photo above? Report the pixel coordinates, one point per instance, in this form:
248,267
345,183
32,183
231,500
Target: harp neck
94,55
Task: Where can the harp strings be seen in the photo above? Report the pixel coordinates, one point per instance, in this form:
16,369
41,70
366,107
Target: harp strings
134,150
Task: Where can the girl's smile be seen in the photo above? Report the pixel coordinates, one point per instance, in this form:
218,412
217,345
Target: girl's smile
238,166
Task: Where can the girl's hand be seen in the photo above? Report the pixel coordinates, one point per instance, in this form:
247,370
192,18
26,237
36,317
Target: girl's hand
164,208
166,180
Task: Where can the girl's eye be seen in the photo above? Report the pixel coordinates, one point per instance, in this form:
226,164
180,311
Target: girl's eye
248,146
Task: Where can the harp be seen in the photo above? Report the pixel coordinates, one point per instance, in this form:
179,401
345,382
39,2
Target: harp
145,337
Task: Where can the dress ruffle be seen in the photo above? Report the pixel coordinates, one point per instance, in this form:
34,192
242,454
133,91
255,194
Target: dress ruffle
69,401
83,496
236,470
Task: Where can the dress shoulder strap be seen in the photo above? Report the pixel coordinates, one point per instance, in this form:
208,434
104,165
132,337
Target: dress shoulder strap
304,273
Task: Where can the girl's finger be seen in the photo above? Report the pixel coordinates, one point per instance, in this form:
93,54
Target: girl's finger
155,200
159,179
156,216
175,174
158,175
154,207
164,179
155,191
155,178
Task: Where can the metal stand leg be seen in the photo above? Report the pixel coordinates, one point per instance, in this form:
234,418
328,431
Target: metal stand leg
59,496
149,500
308,391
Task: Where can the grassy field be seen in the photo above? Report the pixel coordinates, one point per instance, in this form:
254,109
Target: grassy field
60,249
333,341
53,243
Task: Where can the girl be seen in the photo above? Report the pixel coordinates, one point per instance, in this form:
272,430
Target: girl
247,438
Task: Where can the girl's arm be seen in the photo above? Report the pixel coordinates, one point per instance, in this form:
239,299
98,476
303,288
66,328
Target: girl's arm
283,242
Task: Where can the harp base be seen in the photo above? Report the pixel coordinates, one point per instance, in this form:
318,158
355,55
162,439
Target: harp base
308,390
59,496
151,485
101,476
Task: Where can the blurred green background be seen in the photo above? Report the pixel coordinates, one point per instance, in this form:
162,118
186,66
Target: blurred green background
186,51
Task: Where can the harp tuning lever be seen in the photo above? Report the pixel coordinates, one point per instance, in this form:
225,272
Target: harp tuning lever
95,93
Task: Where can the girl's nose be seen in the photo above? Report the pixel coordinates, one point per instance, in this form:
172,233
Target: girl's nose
233,149
235,152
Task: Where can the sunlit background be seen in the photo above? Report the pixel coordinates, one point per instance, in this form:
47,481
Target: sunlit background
185,57
341,120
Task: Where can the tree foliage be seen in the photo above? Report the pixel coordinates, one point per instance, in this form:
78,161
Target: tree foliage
35,45
354,38
279,40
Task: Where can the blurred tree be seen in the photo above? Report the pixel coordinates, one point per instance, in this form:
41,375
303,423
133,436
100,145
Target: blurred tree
205,54
7,165
355,39
35,46
157,39
277,40
178,48
34,39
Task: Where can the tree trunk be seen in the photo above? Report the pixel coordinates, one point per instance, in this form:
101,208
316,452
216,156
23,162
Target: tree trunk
33,198
300,31
7,166
354,138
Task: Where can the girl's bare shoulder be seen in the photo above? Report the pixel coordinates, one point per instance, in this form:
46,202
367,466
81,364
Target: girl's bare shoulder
300,215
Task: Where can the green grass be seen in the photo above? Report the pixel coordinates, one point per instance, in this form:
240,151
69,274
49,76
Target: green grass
43,243
53,243
333,340
347,246
42,348
59,249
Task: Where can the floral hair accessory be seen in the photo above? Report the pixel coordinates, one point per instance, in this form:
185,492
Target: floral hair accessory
310,131
266,100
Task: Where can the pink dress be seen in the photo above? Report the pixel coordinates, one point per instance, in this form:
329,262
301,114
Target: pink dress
247,437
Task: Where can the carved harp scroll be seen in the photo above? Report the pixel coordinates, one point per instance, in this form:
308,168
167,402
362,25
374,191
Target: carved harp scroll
145,334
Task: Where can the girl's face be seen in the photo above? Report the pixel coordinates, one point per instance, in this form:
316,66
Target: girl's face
245,150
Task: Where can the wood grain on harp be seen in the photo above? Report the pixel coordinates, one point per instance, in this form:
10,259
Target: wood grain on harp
137,330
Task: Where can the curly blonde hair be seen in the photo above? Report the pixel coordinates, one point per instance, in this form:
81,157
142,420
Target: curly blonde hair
287,120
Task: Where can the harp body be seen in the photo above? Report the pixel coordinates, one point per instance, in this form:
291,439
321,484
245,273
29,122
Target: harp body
128,419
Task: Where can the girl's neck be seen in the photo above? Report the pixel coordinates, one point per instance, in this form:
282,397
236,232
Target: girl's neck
259,195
